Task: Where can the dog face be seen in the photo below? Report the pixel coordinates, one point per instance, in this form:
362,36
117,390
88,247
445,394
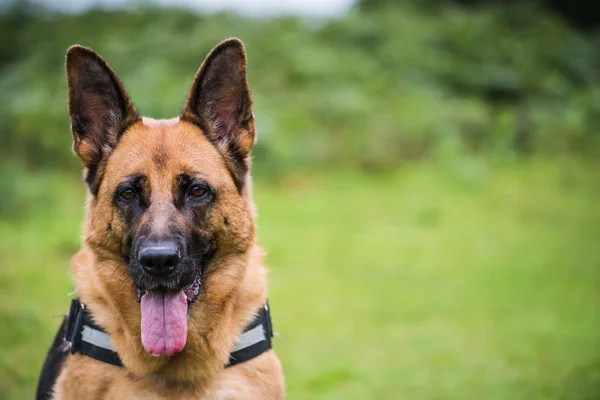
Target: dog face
166,197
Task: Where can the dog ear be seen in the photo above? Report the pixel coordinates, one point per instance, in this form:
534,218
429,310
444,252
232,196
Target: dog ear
99,107
219,102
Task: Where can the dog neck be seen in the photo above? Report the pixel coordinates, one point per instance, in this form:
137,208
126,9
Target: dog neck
228,301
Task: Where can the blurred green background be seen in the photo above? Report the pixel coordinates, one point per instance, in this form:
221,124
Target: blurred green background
427,177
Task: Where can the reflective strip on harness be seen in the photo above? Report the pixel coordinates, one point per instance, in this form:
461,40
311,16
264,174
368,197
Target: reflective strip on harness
251,337
96,338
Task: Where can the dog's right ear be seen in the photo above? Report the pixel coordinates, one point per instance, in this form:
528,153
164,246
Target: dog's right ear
99,107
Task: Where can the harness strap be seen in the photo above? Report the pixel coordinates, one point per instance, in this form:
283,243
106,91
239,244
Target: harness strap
255,340
84,336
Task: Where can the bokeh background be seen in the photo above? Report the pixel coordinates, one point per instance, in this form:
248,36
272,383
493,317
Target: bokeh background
427,178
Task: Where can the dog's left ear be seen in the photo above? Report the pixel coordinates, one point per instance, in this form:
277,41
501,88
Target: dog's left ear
220,103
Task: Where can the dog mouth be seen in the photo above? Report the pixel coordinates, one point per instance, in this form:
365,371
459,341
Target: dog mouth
164,317
191,291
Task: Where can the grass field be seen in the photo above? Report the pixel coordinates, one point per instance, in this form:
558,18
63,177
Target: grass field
461,281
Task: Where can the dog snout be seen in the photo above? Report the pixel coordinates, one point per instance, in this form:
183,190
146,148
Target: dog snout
159,258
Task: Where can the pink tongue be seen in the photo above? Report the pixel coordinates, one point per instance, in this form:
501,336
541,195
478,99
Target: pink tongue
164,322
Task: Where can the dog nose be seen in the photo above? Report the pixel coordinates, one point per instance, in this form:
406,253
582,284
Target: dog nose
159,258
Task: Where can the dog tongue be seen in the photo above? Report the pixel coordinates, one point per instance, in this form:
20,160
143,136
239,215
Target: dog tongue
164,322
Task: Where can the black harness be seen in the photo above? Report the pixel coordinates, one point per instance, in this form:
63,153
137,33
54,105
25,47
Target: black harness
84,336
80,334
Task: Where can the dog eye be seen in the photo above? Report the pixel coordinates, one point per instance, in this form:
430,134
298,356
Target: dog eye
198,191
127,194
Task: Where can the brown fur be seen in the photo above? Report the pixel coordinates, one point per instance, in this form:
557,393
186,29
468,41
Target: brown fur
212,139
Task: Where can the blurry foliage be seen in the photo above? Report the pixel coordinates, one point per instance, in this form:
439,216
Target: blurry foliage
378,87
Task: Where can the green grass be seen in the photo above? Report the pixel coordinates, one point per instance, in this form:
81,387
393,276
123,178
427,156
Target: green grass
458,281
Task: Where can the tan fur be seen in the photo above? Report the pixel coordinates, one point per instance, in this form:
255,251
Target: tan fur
234,286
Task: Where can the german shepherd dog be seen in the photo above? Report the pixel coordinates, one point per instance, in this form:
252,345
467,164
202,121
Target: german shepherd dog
169,269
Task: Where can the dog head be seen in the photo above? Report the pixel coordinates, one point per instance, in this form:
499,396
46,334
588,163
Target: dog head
166,197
